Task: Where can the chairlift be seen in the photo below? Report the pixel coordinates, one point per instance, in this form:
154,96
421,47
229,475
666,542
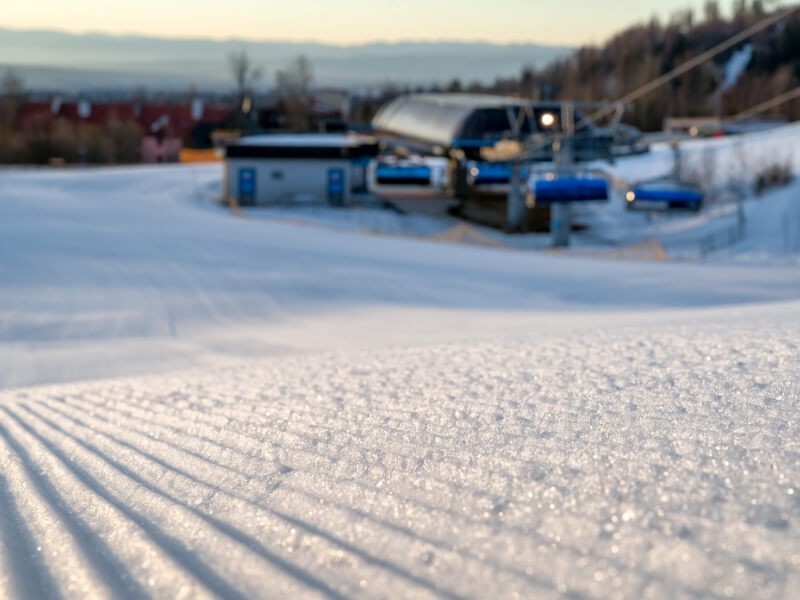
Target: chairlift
548,188
402,174
665,195
409,177
487,173
490,173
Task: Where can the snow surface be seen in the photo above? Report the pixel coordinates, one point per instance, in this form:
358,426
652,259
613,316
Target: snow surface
203,404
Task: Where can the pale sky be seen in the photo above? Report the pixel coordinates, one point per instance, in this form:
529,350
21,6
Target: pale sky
568,22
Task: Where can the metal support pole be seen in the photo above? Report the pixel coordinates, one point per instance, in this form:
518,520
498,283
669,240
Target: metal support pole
741,217
560,222
677,160
515,206
515,209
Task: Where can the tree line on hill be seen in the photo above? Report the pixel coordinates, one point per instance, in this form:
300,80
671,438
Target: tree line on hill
44,138
51,135
642,53
627,61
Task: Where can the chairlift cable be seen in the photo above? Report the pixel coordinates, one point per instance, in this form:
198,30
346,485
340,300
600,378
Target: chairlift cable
768,104
685,67
701,58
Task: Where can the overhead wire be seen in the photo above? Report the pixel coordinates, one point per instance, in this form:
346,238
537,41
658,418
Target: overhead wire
767,105
682,69
699,59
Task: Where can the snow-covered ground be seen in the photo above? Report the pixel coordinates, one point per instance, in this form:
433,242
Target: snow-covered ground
204,404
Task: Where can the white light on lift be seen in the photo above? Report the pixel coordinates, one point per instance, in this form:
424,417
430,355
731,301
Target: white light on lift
630,196
548,119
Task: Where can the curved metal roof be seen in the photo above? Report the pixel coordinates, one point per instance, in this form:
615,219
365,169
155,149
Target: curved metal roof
454,120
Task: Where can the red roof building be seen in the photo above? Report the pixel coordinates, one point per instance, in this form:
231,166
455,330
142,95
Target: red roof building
174,120
166,128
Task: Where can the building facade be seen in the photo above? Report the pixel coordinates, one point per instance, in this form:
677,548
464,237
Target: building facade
298,168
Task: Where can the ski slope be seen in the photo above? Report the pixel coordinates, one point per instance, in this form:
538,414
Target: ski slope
199,404
650,461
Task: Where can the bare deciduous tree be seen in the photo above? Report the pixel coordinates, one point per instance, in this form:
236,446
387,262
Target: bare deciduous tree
711,10
295,80
245,74
11,97
294,87
11,90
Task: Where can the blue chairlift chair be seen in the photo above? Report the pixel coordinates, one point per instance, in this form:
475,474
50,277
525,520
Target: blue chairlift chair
664,195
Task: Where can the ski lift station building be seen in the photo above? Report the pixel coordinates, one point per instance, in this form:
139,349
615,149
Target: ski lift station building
466,123
290,168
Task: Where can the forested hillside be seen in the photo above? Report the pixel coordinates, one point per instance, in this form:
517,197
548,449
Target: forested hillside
643,52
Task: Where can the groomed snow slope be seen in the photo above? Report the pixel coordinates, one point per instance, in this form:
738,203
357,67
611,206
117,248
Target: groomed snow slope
322,414
123,271
657,461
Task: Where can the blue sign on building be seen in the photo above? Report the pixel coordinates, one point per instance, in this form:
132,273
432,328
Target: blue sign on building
336,186
247,186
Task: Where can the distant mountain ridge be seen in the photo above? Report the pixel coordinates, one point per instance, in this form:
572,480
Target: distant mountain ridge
71,62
